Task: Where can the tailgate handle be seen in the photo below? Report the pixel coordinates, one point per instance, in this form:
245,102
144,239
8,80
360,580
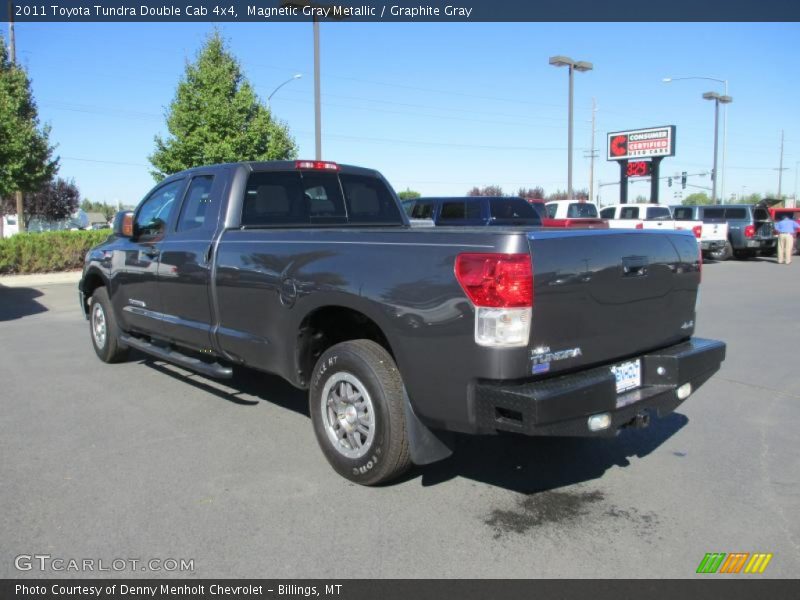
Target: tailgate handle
634,266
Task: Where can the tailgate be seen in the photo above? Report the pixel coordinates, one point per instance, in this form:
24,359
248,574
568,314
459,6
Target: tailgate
714,231
602,296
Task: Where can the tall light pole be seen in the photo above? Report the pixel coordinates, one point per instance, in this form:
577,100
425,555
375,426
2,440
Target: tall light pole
724,82
717,101
565,61
290,80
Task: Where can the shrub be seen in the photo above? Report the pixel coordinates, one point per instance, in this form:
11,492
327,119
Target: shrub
47,251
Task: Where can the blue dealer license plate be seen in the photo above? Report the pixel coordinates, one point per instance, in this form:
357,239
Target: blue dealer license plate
628,374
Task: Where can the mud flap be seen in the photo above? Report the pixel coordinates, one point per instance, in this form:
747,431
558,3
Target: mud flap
425,446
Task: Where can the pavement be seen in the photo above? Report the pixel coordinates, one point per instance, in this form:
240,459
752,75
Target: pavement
143,460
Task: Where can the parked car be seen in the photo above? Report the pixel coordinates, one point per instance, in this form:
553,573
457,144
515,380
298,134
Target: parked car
714,236
750,227
473,210
310,270
573,213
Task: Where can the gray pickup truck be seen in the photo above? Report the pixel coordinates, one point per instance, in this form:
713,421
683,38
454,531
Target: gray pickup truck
310,270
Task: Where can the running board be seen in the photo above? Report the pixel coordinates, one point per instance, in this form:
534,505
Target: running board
215,370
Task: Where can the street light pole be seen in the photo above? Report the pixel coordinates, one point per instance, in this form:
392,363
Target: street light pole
724,82
565,61
290,80
717,101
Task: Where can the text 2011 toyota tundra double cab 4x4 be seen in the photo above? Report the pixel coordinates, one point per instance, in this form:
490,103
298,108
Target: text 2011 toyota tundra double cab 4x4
309,270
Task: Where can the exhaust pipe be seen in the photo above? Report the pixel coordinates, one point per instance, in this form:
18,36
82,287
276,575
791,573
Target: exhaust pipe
641,420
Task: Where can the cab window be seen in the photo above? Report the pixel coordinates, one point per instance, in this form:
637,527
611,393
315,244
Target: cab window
199,210
607,213
153,215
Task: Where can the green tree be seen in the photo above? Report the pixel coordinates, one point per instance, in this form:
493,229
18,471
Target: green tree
698,198
408,194
216,117
106,210
489,190
26,156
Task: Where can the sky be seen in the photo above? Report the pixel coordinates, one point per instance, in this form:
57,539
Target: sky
437,108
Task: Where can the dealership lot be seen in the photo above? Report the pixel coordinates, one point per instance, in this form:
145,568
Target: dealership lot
146,461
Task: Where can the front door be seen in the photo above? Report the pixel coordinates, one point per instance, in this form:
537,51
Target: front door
136,296
184,271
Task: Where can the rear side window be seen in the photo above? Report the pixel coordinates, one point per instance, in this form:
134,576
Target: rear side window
197,211
369,201
307,199
581,210
714,213
421,209
460,210
514,209
629,212
552,209
734,213
607,213
684,214
658,213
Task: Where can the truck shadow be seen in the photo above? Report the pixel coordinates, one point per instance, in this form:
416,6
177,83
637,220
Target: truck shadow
18,302
532,465
246,387
522,464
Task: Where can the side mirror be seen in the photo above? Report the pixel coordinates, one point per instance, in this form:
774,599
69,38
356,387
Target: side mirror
123,224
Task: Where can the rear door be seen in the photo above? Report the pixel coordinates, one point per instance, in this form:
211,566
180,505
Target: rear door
184,271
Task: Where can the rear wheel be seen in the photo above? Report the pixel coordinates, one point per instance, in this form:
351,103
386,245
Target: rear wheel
721,254
356,404
104,329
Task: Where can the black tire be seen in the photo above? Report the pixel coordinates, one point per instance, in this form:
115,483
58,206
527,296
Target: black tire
360,364
722,254
107,346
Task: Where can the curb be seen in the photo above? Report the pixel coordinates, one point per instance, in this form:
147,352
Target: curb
39,279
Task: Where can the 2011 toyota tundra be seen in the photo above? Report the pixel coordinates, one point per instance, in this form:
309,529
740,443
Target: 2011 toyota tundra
309,270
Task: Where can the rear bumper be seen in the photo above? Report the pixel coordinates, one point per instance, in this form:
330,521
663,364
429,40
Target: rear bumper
561,406
712,245
761,243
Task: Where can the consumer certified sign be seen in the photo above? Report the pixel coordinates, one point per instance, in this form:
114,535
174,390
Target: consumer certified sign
642,143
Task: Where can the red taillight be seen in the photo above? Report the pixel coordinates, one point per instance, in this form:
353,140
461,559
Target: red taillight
496,280
749,231
639,225
698,231
316,165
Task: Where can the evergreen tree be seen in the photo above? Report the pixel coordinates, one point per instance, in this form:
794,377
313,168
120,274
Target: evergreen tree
26,156
216,117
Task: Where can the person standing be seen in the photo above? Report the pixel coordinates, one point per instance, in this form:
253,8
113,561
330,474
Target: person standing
786,229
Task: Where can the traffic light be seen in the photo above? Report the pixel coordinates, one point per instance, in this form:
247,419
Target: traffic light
669,181
683,180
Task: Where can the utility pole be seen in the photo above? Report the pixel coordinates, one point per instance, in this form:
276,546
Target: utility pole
12,45
594,153
12,53
780,169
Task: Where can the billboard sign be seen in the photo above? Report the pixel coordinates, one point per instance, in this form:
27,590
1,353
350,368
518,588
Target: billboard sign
642,143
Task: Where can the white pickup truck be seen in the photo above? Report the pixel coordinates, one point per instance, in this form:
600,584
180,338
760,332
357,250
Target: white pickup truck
710,236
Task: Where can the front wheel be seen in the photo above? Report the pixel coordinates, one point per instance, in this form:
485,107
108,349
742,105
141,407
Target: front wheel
104,329
356,404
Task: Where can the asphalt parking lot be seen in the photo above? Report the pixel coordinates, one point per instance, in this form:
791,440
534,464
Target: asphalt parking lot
142,460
